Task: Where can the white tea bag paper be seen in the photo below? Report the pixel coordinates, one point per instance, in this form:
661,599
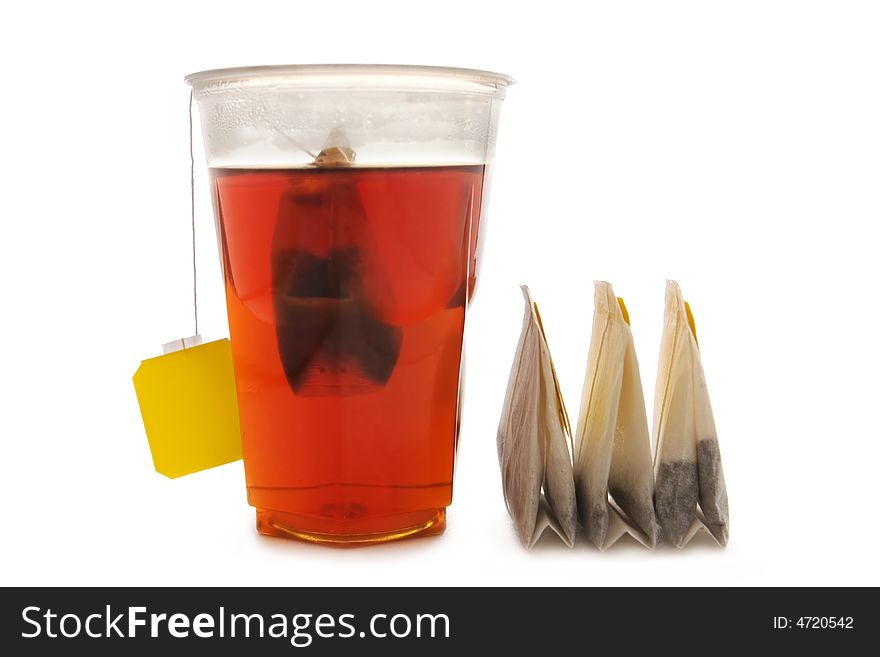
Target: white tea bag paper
690,494
533,440
612,458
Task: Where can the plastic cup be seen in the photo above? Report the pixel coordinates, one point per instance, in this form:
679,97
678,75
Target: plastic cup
349,203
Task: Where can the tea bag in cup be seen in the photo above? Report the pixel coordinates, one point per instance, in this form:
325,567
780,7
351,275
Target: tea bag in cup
690,493
330,339
612,455
534,439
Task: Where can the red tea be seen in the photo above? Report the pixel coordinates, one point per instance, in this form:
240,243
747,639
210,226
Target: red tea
346,291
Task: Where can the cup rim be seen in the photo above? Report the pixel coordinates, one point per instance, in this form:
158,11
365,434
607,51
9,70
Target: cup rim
303,73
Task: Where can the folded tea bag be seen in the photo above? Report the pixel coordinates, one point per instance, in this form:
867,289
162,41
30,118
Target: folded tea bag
687,461
612,445
533,440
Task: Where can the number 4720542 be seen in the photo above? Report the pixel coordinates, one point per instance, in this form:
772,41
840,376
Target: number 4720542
825,622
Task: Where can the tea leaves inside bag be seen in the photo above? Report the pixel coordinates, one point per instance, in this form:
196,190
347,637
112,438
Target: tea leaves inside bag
687,460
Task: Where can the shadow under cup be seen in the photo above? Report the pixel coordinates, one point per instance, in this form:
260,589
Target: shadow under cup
348,202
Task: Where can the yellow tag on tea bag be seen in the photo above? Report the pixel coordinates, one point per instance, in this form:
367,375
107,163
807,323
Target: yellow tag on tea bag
189,407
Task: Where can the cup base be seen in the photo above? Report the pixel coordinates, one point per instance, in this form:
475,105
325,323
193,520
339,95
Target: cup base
428,522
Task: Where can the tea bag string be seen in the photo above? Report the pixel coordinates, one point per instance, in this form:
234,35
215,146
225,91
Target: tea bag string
192,201
293,141
192,206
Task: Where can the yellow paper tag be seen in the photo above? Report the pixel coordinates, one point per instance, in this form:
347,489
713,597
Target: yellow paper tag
690,316
189,407
623,309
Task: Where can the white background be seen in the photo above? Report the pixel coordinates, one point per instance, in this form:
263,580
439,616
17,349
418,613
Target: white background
732,146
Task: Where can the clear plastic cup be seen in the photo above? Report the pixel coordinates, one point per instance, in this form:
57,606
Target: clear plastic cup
349,203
